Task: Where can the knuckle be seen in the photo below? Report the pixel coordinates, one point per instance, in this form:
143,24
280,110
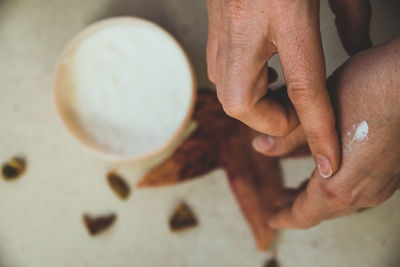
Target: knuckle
300,94
338,198
235,107
326,189
314,134
344,201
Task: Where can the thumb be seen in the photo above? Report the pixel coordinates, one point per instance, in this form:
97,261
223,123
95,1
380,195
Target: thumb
279,146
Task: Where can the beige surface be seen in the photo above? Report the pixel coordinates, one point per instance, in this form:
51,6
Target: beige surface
40,214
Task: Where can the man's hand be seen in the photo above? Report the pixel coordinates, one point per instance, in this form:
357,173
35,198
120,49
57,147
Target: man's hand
365,92
245,34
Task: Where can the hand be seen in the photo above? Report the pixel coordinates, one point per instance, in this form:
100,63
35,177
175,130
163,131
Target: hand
243,35
365,91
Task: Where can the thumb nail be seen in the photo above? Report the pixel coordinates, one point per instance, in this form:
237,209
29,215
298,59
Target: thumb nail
264,143
324,166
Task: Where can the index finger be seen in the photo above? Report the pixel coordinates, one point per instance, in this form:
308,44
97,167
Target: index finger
300,51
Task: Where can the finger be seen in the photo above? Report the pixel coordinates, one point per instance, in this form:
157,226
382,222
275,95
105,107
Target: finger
243,91
309,208
279,146
304,69
352,22
212,41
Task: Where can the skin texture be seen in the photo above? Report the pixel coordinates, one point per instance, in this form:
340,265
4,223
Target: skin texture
352,21
367,87
245,34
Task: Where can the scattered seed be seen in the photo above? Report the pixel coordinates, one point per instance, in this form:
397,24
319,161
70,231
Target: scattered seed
271,263
96,225
14,168
182,218
118,185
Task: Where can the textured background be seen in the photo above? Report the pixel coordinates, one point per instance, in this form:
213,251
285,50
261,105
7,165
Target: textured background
40,214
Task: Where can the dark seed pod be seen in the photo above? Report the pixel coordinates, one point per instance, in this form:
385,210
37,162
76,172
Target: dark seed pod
96,225
182,218
13,168
118,185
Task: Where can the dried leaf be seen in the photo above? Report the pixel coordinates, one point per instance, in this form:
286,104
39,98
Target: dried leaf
13,168
98,224
182,218
255,181
222,142
118,185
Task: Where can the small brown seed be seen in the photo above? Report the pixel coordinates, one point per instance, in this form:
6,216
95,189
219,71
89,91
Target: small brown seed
96,225
118,185
13,168
182,218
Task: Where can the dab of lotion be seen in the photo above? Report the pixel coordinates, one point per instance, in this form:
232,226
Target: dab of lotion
361,132
360,135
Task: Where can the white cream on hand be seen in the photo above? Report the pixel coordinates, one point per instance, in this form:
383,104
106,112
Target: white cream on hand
361,132
360,135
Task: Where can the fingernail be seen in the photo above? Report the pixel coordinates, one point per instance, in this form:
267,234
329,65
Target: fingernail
324,166
264,143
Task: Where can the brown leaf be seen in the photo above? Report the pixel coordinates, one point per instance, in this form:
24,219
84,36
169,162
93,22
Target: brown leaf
118,185
222,142
96,225
255,181
199,157
182,218
13,168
